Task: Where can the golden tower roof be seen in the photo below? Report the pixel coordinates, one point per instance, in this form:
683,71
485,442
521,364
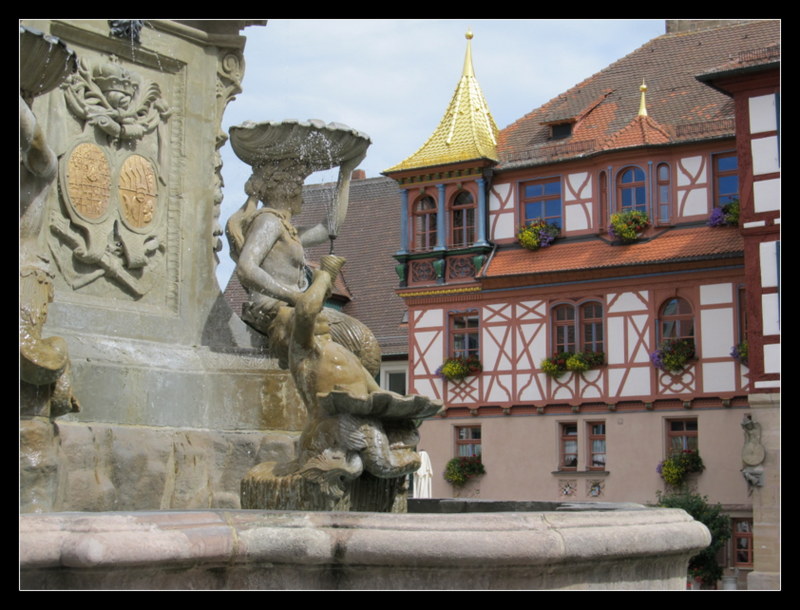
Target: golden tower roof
466,132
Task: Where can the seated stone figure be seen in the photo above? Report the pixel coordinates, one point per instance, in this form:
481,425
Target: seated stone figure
269,251
354,426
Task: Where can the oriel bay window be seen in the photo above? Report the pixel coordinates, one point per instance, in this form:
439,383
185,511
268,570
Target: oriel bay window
462,220
542,199
726,179
631,190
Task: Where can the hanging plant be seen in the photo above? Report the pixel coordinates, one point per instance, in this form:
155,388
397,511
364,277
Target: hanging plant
628,226
538,234
673,355
459,470
740,352
458,368
676,467
577,362
727,215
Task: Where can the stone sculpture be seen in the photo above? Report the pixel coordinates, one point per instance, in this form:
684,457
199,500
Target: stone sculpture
753,454
266,246
359,441
44,362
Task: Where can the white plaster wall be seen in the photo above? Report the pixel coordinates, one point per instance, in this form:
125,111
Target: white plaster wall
501,220
629,301
719,376
772,358
492,355
767,195
500,388
638,350
713,294
696,202
765,155
615,350
762,113
768,255
716,332
636,384
690,167
431,317
770,314
528,390
575,217
434,355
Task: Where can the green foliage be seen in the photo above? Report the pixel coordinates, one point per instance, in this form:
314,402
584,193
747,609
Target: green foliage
677,466
704,564
673,355
459,470
626,226
537,234
741,352
458,368
578,362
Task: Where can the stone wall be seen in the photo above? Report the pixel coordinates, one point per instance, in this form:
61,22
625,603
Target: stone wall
176,393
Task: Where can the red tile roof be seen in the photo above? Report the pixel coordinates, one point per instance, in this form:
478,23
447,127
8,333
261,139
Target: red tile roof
677,245
605,103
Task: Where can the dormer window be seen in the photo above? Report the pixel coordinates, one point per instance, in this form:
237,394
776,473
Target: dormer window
560,131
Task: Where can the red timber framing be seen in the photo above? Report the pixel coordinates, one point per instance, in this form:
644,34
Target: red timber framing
517,333
758,227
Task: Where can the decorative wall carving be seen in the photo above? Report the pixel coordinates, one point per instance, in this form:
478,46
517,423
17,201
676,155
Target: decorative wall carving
111,224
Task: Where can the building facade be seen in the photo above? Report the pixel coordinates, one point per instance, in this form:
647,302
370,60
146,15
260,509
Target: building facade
644,136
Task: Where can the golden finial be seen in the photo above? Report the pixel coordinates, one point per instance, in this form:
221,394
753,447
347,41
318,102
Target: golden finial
468,35
643,103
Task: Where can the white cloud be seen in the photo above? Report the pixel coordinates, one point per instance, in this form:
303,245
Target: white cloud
393,79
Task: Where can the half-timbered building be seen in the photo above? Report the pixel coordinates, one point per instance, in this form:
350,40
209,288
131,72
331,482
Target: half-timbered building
643,135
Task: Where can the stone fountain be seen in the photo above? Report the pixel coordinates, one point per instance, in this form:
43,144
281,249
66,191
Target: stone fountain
151,414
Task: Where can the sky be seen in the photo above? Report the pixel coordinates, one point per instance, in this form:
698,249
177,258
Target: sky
393,78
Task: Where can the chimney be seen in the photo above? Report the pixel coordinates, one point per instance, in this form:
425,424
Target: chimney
358,174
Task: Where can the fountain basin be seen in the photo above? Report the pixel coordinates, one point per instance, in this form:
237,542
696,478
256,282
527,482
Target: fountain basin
629,548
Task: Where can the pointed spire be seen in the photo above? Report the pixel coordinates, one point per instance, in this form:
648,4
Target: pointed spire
467,130
643,103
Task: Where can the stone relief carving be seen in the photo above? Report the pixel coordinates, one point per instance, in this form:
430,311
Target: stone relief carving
116,100
44,362
753,454
110,224
230,70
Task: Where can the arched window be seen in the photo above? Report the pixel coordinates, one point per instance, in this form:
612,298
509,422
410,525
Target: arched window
631,190
542,199
726,179
424,224
677,319
462,220
663,193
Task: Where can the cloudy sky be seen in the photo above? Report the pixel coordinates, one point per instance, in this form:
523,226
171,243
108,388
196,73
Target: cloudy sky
393,79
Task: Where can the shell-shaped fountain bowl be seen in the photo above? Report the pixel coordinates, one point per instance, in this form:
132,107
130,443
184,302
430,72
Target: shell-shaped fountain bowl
44,62
320,145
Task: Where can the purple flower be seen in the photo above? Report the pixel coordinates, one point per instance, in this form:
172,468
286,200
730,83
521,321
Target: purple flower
657,359
716,218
